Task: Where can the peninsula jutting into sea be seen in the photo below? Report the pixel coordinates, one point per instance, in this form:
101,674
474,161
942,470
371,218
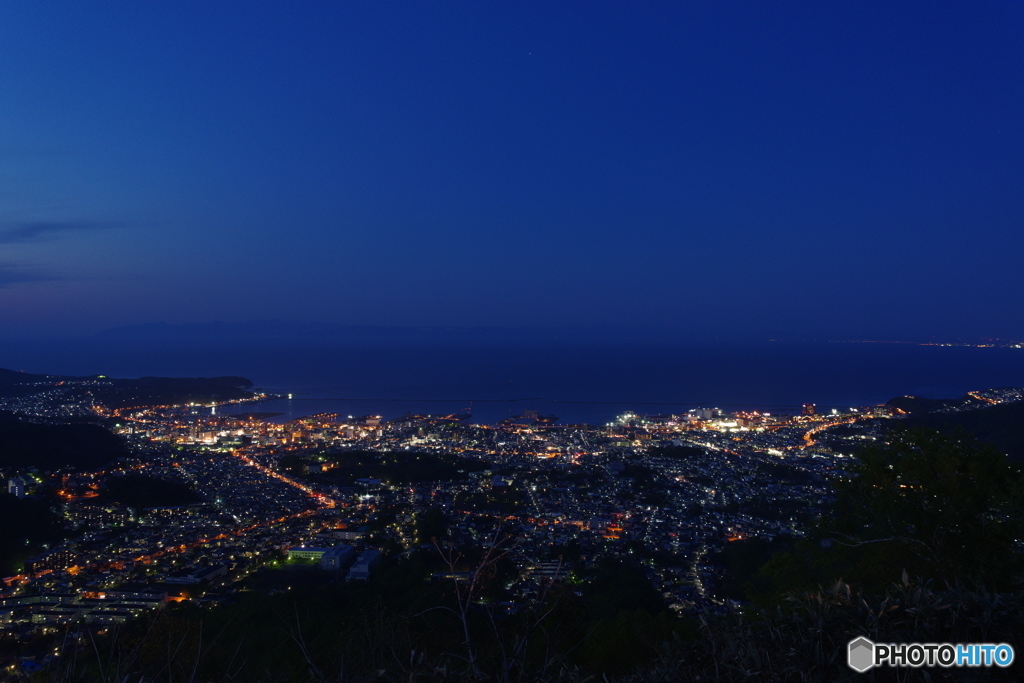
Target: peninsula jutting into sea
124,496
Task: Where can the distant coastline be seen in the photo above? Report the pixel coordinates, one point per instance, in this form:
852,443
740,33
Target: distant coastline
987,344
579,382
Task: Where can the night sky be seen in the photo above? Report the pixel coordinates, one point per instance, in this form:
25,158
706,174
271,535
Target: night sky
853,169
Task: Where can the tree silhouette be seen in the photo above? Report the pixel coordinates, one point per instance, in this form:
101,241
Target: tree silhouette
955,505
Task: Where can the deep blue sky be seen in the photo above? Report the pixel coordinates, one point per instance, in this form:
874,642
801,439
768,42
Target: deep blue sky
809,169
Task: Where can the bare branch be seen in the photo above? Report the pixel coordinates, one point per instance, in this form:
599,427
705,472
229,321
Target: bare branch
296,635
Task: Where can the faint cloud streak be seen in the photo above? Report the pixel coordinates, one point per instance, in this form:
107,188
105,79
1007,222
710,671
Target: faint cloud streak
37,231
12,275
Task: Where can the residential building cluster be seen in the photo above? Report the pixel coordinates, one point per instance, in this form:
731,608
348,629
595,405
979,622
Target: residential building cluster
343,494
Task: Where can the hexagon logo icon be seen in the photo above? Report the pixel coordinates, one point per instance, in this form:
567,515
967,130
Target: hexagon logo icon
860,654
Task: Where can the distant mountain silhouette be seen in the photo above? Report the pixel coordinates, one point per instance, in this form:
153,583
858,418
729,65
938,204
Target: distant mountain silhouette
13,377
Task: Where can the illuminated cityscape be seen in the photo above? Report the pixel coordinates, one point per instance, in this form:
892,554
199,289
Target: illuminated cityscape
562,342
675,489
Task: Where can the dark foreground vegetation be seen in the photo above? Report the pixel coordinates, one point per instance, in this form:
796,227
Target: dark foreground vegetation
923,545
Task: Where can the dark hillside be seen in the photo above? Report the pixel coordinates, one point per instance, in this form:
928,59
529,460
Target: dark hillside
1001,426
146,391
51,447
919,405
14,377
125,393
27,525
